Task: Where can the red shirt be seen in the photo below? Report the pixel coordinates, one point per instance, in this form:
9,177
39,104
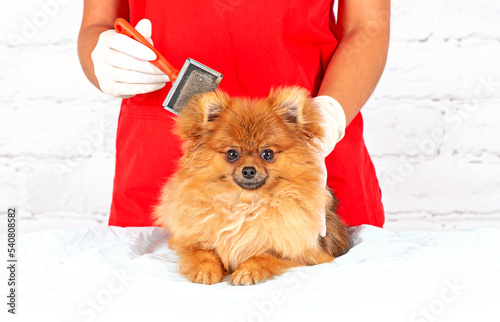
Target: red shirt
256,45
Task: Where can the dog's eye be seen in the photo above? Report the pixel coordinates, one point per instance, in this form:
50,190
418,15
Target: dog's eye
232,155
267,155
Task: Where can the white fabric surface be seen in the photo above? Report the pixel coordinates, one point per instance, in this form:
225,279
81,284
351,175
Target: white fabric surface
109,273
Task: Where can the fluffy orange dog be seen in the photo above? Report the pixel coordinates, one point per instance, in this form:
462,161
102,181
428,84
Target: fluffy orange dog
247,197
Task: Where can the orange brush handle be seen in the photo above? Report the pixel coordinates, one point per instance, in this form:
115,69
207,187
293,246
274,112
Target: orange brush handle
123,27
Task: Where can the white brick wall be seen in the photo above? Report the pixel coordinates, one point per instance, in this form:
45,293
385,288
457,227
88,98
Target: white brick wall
432,126
57,131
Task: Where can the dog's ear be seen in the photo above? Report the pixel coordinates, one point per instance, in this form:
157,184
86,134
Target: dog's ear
212,104
201,111
295,106
289,103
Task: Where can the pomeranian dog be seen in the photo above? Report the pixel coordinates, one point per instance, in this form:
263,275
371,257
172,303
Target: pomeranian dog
247,198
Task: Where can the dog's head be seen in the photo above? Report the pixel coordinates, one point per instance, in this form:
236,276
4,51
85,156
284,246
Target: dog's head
253,144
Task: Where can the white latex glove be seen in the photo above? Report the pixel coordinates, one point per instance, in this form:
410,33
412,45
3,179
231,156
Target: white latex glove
334,124
122,65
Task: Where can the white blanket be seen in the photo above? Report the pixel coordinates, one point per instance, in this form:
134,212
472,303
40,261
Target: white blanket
109,273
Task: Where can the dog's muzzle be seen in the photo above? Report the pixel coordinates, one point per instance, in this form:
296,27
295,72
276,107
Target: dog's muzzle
249,178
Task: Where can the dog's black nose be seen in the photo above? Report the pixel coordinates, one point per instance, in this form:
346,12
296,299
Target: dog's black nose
249,172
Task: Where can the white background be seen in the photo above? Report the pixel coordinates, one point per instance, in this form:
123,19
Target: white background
432,126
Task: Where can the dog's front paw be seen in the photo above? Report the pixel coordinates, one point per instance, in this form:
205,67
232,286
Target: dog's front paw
260,268
206,274
249,276
201,266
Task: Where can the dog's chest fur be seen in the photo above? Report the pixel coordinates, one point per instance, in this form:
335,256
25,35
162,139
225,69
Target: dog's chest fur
246,225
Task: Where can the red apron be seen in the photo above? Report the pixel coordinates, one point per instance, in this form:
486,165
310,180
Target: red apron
256,45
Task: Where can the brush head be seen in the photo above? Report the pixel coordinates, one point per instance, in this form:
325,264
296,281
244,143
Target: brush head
194,78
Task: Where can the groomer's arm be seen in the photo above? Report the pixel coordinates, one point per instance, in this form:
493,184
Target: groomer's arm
357,64
116,64
98,16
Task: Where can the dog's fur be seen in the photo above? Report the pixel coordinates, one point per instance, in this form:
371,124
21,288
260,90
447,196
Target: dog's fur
223,220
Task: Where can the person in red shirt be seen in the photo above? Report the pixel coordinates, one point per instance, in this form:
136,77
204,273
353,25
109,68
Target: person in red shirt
256,45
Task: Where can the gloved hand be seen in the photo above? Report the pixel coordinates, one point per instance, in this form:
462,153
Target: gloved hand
122,65
334,124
